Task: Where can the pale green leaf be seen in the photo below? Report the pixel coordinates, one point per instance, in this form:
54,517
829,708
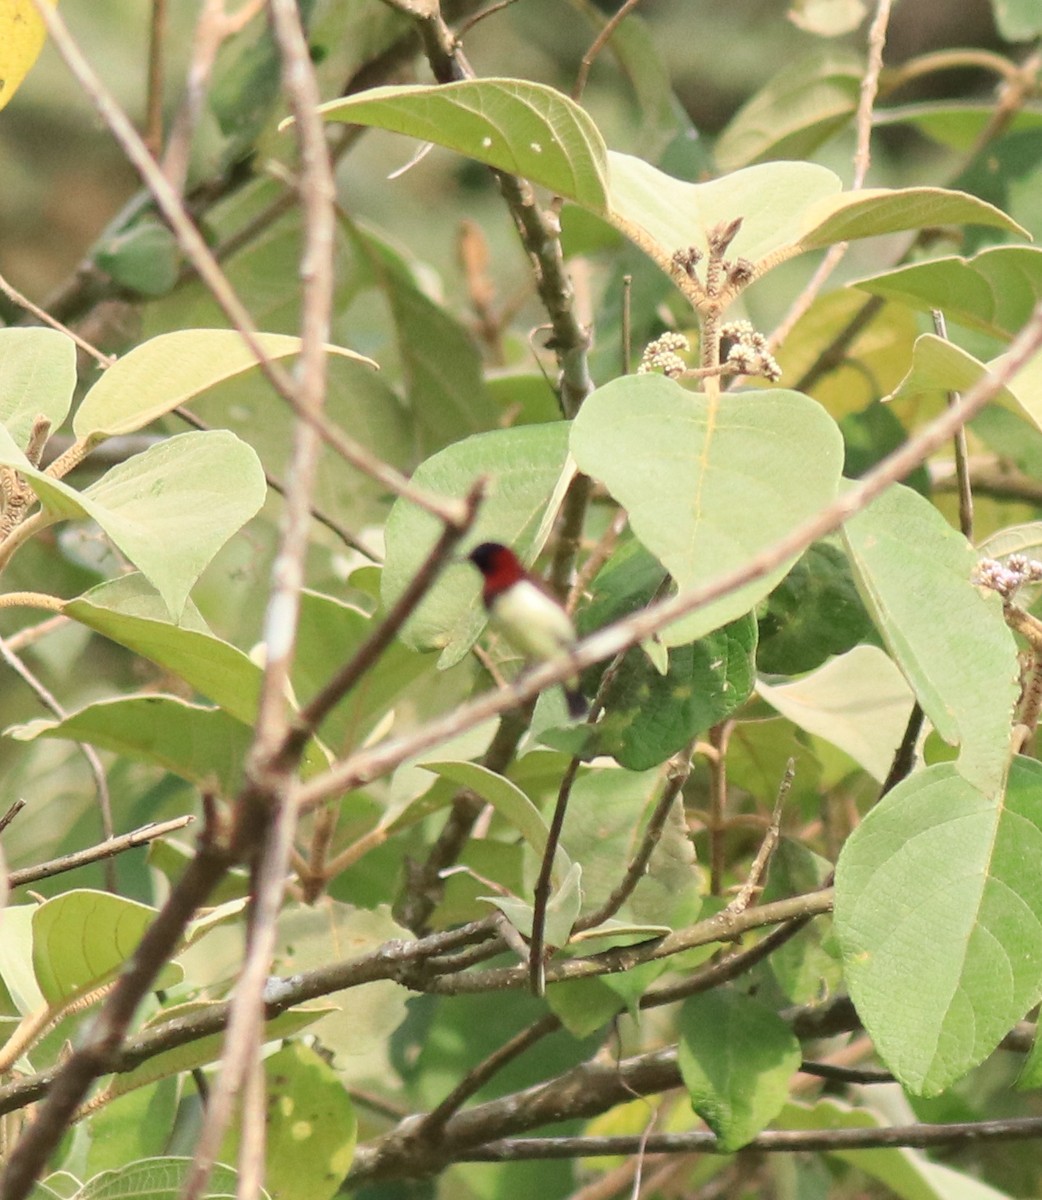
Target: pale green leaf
169,370
527,469
310,1126
1017,20
954,124
731,476
527,129
858,701
827,18
507,799
875,211
950,641
995,290
37,378
737,1059
203,745
82,938
939,918
158,1179
796,110
169,509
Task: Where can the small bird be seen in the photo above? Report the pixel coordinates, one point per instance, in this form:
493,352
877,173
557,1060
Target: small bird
529,618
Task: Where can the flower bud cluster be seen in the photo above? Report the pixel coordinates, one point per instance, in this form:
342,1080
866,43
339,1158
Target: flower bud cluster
749,354
1006,578
663,354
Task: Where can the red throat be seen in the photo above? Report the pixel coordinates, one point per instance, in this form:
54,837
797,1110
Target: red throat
501,569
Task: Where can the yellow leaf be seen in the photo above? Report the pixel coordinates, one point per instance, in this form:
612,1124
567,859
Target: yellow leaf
22,35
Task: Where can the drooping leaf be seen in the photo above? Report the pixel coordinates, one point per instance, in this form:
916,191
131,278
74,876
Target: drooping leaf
955,124
206,746
939,917
994,291
527,471
507,799
950,641
859,702
169,370
169,508
797,110
737,1059
82,937
22,35
144,258
1017,20
37,375
525,128
731,477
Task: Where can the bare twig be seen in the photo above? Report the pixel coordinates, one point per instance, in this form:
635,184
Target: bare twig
107,849
599,42
43,316
12,812
157,33
962,474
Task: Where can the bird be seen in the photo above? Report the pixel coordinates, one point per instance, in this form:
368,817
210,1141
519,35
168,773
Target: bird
529,618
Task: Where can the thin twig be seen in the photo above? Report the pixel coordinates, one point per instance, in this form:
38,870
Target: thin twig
43,316
157,32
598,44
862,160
962,473
101,783
12,812
107,849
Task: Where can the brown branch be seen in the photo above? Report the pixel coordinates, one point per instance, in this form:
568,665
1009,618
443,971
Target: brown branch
107,849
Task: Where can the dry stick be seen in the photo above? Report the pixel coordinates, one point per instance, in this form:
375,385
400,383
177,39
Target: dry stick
102,1039
862,160
599,42
378,760
266,801
101,783
157,32
6,820
959,447
107,849
719,736
199,254
42,315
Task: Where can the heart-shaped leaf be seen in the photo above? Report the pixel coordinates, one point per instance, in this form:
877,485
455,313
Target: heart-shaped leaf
731,476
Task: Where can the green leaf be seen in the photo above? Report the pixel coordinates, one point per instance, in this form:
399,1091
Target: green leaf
662,214
813,614
939,917
1017,20
907,1174
859,702
314,936
170,370
507,799
310,1126
158,1179
794,113
583,1005
994,290
807,966
129,611
827,18
731,477
203,745
82,937
950,641
737,1059
132,1127
169,509
786,208
524,128
955,125
440,360
872,212
562,908
37,378
143,258
527,473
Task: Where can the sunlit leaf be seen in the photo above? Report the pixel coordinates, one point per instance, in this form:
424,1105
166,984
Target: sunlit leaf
22,35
